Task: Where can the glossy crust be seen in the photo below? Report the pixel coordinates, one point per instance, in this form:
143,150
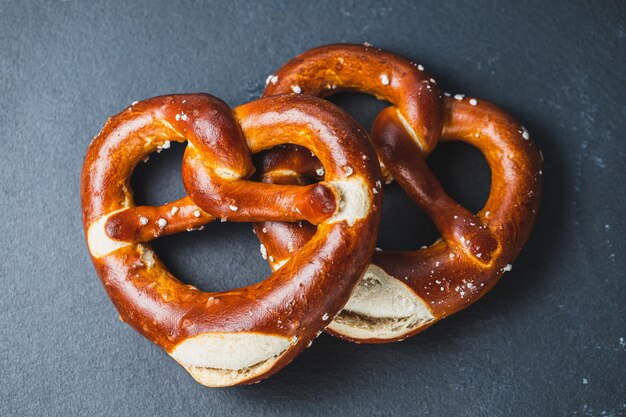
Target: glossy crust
252,331
474,250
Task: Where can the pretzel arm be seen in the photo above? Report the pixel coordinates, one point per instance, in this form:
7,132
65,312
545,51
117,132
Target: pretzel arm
457,225
145,223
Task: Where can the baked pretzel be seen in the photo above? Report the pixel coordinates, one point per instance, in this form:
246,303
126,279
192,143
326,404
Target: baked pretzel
243,335
403,293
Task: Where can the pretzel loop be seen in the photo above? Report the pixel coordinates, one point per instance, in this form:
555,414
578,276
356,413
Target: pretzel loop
222,191
246,334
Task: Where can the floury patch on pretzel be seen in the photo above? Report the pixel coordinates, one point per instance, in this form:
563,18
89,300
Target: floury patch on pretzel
403,293
243,335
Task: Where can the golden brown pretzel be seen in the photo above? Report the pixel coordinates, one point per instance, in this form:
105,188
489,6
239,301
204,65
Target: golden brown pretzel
405,292
246,334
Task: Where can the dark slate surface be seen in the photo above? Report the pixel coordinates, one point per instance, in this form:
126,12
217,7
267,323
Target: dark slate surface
548,340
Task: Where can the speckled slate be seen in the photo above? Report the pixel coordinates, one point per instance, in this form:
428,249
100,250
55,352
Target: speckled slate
548,340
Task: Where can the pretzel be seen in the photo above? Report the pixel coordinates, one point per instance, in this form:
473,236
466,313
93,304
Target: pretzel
242,335
403,293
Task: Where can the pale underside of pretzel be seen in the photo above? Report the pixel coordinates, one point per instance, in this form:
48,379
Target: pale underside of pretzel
246,334
403,293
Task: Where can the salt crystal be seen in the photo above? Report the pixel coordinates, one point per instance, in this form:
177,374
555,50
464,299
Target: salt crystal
525,133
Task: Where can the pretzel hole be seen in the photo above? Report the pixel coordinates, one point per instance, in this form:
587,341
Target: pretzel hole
207,259
362,107
463,172
403,226
158,180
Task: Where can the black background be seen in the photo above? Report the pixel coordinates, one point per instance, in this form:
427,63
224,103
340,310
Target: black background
548,340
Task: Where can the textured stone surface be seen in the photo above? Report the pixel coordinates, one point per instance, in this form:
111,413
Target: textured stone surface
548,340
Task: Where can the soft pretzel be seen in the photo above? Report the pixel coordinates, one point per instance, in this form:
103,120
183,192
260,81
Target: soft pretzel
243,335
403,293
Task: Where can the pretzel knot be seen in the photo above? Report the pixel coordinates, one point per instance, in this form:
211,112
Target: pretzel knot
403,293
242,335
